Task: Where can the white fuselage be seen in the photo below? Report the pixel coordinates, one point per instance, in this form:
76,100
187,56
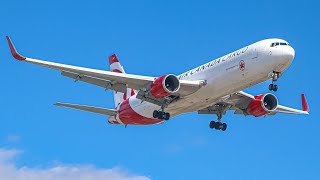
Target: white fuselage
226,75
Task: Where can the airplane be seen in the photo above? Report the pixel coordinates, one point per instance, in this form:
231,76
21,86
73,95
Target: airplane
213,88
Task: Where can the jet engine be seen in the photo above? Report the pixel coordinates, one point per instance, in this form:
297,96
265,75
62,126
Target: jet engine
164,86
262,105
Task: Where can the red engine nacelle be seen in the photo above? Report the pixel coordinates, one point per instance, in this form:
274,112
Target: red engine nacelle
164,86
262,105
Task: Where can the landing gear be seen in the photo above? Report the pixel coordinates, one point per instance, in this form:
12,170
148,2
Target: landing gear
273,87
274,76
218,125
161,115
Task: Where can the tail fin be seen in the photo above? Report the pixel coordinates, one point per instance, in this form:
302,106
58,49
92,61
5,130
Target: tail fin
115,66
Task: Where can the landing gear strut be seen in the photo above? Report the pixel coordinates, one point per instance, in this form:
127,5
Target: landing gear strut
218,125
160,114
274,76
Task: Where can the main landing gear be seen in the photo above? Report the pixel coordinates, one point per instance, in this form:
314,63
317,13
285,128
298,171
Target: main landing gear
161,115
218,125
274,76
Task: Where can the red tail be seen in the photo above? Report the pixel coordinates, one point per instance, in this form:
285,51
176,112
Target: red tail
115,66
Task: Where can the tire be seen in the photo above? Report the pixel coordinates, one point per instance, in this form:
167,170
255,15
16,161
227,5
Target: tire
217,125
160,115
275,87
155,114
212,125
271,87
224,127
166,116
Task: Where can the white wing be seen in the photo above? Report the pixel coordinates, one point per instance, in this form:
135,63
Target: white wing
285,109
93,75
239,102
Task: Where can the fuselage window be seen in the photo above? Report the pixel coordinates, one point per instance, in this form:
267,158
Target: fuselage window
278,43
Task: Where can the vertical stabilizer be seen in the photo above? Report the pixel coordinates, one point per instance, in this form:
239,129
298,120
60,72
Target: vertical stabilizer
116,67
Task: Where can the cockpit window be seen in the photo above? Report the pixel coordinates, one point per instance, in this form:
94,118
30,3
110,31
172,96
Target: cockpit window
279,44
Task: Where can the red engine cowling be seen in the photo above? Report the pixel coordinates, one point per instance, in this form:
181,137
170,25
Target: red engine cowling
164,86
262,105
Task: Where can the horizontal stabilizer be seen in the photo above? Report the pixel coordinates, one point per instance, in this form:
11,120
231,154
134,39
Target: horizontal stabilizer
108,112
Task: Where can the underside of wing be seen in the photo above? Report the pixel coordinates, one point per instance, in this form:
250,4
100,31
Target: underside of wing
117,81
246,104
132,81
119,87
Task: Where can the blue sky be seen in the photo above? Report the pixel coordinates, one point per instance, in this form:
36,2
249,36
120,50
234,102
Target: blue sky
153,38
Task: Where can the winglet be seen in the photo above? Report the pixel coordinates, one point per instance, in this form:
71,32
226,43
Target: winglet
13,50
305,106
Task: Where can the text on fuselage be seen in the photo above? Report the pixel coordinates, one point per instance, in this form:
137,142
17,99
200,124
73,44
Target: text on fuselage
214,63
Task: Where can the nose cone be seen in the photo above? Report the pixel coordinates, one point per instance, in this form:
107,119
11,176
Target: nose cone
288,53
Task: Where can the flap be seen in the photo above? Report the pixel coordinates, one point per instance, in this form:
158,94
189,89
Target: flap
95,81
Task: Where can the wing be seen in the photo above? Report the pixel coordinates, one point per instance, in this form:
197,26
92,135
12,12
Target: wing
240,101
288,110
106,79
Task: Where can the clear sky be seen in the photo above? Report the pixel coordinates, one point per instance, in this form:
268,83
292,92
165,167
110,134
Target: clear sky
152,38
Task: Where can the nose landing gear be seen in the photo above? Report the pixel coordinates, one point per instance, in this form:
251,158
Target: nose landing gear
273,87
274,76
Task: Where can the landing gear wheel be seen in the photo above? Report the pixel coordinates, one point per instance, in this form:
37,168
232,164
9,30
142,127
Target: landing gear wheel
271,87
155,114
275,87
224,127
217,126
160,115
212,124
166,116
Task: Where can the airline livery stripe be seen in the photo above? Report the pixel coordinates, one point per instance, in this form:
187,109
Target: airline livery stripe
116,70
116,65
